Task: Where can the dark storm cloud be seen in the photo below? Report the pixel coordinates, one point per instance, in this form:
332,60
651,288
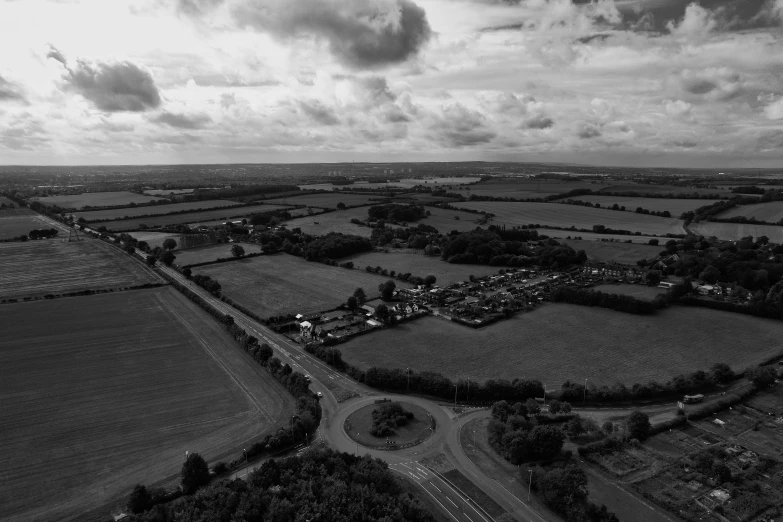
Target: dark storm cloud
183,121
114,87
729,14
9,91
363,34
318,112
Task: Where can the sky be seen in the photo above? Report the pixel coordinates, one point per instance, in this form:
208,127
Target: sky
614,82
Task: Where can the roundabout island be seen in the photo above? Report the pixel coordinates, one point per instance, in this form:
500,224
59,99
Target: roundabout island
390,425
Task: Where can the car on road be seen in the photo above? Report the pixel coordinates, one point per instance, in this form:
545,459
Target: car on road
319,394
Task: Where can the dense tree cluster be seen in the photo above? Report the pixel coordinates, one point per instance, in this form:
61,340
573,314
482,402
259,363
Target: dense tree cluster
515,433
335,245
397,213
417,237
207,283
387,418
319,485
564,490
243,191
43,233
617,302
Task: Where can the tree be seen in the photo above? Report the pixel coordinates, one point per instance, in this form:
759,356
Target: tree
638,425
653,242
187,272
167,258
721,373
360,296
151,260
608,427
430,280
532,407
501,411
387,290
139,500
653,277
565,407
340,206
761,376
195,473
382,312
554,406
352,303
169,244
237,251
710,275
721,471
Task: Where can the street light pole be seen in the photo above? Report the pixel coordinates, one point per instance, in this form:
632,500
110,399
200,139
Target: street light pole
529,482
455,395
584,399
357,443
408,386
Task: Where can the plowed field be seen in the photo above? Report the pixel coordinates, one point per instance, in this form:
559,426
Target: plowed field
103,392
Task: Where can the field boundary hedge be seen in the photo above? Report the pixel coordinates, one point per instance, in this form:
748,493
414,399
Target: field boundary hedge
223,260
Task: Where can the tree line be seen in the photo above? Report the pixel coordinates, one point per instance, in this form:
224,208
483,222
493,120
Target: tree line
396,212
617,302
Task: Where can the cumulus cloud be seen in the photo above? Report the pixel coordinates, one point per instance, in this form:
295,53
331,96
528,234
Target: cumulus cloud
715,83
696,23
458,126
774,111
114,87
318,112
677,108
182,121
363,34
9,91
588,131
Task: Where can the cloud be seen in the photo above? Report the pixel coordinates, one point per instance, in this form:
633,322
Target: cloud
774,111
696,23
677,108
114,87
459,126
588,131
363,34
183,121
55,54
539,122
318,112
715,83
9,91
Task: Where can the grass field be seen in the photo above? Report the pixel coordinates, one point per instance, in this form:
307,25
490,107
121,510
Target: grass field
17,222
638,291
523,188
445,220
98,199
624,253
5,201
155,239
734,231
563,234
663,189
557,342
191,218
422,266
553,214
771,212
338,221
279,283
37,268
163,192
211,253
675,206
327,200
103,392
117,213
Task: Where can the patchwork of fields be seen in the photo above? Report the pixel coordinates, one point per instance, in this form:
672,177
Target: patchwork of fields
558,342
20,221
554,214
212,252
665,189
117,213
98,199
328,200
675,206
735,231
524,188
337,221
280,284
94,403
771,212
422,266
37,268
606,251
191,218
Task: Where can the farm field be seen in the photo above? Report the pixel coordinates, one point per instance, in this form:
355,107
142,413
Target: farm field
523,188
17,222
328,200
643,188
191,218
155,239
112,392
422,266
117,213
54,266
771,211
212,253
164,192
445,220
735,231
565,234
612,251
404,183
638,291
97,199
337,221
553,214
557,342
281,284
7,202
675,206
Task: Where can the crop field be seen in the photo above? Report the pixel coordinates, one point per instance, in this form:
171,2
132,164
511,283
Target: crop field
328,200
422,266
675,206
280,284
98,199
54,266
523,188
164,192
103,392
447,220
643,188
117,213
337,221
557,342
771,212
638,291
191,218
554,214
212,253
17,222
735,231
608,251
